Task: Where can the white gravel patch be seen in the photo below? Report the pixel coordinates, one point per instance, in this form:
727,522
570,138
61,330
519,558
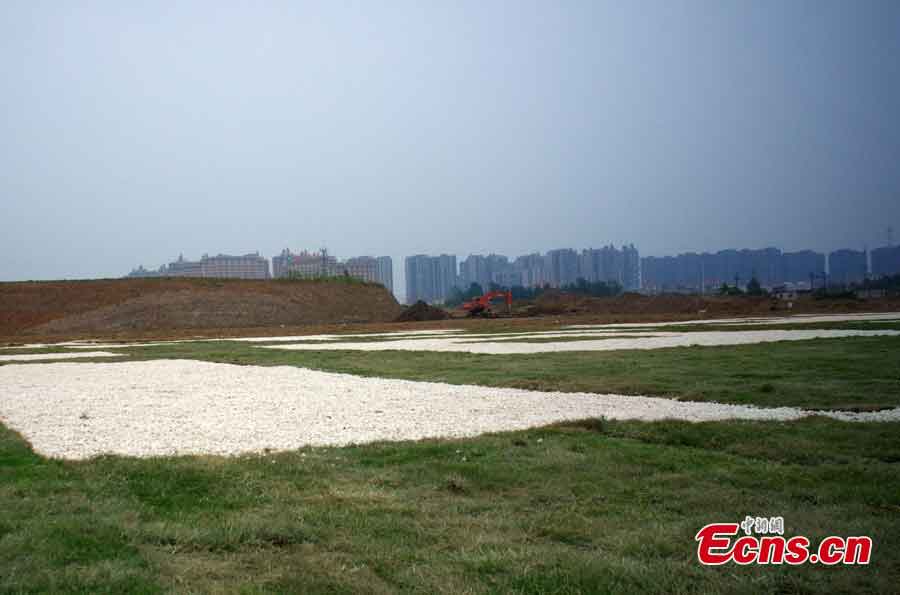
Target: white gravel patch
27,346
565,331
796,319
464,344
48,356
167,407
424,333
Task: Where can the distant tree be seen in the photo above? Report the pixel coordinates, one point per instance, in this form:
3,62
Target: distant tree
455,297
754,288
525,293
726,289
475,290
595,289
889,283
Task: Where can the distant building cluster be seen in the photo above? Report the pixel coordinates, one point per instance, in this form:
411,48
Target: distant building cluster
287,264
885,261
700,272
222,266
431,278
321,264
692,272
304,264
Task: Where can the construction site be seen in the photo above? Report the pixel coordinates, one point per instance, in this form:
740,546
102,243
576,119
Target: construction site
321,424
454,298
173,307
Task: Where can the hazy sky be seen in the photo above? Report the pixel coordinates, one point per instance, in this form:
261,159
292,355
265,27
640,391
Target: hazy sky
133,131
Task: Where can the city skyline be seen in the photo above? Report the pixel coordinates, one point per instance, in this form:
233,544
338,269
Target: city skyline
625,266
107,270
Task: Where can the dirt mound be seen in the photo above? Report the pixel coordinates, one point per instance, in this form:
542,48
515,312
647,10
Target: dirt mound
105,306
421,311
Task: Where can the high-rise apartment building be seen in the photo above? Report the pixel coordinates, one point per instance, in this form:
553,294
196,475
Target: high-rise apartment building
530,270
305,264
610,265
221,266
485,270
184,268
562,265
361,267
631,268
310,265
384,272
419,278
798,267
557,268
886,261
445,275
429,278
707,271
226,266
848,266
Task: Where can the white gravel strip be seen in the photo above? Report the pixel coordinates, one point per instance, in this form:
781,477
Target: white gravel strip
120,345
49,356
167,407
88,344
424,333
28,346
796,319
464,344
570,330
106,345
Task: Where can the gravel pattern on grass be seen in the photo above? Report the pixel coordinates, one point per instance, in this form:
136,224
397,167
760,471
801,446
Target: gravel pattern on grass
796,319
48,356
503,345
332,337
169,407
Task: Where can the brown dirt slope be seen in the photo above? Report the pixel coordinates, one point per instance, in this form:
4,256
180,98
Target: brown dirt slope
103,306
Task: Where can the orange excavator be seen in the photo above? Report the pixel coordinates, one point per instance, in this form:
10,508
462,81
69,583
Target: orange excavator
481,306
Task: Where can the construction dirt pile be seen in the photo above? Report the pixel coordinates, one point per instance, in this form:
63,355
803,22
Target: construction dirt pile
122,305
421,311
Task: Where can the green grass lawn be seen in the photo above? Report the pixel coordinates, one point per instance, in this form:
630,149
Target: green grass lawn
577,508
585,507
847,373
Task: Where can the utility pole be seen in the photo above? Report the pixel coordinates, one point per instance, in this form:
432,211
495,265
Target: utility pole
702,276
865,262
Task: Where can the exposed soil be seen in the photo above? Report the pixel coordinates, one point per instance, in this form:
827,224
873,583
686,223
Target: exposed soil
87,310
101,307
420,311
633,307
